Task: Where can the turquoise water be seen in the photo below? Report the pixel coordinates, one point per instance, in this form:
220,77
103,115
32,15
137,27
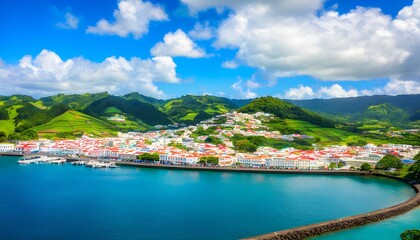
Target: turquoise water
389,229
74,202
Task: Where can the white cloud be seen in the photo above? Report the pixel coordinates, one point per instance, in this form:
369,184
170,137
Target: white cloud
177,44
398,87
237,86
230,64
287,38
336,91
301,92
71,22
201,31
333,91
48,74
285,7
393,87
131,17
252,83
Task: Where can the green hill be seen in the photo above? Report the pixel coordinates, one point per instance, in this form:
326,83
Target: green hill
285,110
141,98
74,101
383,112
143,113
193,109
73,122
393,110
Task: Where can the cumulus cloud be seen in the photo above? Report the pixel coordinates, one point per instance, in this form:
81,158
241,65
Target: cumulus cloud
284,7
301,92
287,38
71,22
48,74
333,91
393,87
177,44
241,93
201,31
398,87
232,64
131,17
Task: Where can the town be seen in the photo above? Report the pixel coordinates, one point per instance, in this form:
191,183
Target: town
184,146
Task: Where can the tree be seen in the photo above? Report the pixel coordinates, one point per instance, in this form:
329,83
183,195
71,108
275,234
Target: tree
332,165
413,234
213,140
245,146
365,167
3,136
148,157
417,157
389,161
341,164
209,160
414,171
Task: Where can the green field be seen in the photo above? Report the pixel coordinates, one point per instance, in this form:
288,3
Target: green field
326,135
7,126
189,117
73,121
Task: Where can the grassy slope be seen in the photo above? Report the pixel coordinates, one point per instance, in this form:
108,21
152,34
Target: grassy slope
7,126
73,121
327,135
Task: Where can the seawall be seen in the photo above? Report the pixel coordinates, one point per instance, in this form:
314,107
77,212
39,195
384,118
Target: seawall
248,170
347,222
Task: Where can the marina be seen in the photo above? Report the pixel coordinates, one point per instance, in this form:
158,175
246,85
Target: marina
41,159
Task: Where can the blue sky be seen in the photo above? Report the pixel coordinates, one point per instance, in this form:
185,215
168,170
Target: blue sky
296,49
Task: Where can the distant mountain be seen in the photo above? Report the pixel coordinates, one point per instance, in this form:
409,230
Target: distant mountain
285,110
409,103
74,101
133,109
141,98
193,109
397,110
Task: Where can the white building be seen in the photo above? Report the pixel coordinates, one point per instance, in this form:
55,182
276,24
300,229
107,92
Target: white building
7,147
292,163
250,160
178,159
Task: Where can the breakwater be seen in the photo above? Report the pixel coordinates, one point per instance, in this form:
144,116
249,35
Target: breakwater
343,223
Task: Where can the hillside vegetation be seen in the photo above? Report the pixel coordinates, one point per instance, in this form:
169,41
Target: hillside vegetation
75,123
348,120
285,110
193,109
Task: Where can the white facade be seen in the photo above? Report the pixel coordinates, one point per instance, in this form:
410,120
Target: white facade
179,159
285,163
7,147
251,160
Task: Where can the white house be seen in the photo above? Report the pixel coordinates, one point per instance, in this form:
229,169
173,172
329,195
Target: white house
7,147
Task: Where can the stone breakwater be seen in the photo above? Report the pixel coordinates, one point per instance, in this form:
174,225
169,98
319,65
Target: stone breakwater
347,222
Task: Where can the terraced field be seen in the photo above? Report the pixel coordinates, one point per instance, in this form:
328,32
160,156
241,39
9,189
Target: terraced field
73,121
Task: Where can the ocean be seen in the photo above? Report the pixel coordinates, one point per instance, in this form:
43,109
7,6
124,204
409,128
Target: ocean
43,201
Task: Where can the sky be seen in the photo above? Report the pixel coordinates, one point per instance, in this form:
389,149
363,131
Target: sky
293,49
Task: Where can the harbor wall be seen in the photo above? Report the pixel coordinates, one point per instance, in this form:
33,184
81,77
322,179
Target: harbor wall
343,223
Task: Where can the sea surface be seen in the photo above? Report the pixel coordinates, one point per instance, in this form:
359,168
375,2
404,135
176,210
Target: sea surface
43,201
